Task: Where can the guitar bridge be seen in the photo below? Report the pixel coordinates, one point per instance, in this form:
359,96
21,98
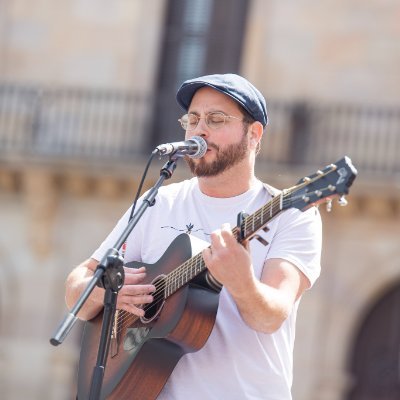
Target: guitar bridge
114,336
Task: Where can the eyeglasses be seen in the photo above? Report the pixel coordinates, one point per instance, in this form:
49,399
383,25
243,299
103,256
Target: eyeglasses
214,120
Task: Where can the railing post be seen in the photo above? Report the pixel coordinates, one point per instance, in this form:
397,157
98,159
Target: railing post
299,132
36,117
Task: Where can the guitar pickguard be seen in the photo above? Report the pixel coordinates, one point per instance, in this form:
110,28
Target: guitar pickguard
135,338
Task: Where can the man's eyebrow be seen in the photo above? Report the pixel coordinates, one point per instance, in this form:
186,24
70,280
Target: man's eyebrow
208,112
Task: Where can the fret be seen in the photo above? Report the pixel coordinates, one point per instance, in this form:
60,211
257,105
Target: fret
172,283
200,265
166,287
185,275
175,282
168,290
251,225
188,274
259,219
262,216
182,279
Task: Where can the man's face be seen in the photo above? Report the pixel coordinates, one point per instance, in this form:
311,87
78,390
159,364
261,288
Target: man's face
228,145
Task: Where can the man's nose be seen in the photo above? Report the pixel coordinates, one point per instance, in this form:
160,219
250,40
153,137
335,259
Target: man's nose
202,129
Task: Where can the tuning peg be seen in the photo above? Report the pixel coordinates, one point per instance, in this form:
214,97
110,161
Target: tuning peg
329,205
342,201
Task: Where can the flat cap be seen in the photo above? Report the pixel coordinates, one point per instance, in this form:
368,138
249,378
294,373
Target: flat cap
234,86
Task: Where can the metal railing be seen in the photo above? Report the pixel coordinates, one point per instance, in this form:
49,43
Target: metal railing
314,134
72,122
93,124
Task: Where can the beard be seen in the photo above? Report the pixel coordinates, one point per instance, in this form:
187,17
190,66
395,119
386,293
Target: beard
225,159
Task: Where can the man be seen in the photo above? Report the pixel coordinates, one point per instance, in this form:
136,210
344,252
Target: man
249,352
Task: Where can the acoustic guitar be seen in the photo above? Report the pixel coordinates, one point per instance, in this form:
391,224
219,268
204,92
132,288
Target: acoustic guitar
145,350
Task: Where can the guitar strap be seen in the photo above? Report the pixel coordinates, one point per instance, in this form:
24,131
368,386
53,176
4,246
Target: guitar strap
271,190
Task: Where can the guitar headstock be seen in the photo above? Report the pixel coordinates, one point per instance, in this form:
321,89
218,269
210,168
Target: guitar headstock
332,181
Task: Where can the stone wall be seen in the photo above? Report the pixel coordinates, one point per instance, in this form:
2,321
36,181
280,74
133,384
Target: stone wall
330,50
81,43
360,263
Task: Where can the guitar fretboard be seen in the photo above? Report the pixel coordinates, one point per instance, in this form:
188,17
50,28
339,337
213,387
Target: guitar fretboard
262,216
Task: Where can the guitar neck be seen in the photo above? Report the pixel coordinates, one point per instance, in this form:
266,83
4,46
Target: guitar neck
191,268
253,223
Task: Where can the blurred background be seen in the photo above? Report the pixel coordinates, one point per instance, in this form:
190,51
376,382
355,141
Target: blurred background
87,90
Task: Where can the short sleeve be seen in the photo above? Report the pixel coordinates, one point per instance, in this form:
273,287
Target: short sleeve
298,239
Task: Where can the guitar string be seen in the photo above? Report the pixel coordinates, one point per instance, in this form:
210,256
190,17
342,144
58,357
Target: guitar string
128,318
159,294
124,317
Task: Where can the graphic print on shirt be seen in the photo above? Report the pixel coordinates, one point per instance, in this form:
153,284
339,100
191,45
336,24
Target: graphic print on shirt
189,229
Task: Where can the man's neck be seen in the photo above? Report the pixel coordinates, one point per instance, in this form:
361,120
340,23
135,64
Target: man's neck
227,184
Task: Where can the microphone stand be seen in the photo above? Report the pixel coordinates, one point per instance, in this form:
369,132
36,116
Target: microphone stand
109,274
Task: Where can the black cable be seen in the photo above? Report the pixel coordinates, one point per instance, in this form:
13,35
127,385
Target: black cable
154,152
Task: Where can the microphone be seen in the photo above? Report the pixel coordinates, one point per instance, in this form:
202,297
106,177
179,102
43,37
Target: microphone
195,147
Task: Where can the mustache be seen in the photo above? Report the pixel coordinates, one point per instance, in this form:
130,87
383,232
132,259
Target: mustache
213,145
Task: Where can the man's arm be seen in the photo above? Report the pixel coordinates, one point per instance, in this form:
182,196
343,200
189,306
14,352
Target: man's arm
263,304
130,296
268,302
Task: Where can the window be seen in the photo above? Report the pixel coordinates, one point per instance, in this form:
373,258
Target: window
200,37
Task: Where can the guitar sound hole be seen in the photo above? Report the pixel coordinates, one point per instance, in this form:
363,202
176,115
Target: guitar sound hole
153,309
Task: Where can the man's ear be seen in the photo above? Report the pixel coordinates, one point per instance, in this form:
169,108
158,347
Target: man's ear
256,132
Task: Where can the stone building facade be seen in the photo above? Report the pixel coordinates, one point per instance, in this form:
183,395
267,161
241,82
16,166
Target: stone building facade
56,210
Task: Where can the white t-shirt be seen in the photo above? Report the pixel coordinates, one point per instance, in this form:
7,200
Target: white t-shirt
236,362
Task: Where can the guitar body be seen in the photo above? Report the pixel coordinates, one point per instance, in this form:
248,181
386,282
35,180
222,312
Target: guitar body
144,354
